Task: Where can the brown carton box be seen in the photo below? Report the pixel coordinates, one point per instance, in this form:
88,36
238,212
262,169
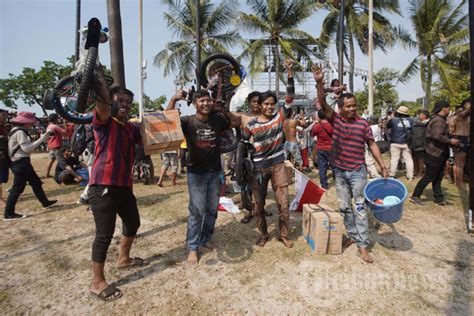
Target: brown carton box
322,229
161,131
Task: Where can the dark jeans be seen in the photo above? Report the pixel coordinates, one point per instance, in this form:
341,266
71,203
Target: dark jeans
106,202
323,164
23,172
434,173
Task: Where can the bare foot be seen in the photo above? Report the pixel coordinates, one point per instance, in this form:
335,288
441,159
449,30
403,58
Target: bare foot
365,255
193,258
262,241
288,243
173,184
210,245
159,184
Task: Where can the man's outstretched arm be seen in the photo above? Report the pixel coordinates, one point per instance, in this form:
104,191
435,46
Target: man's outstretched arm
319,78
102,104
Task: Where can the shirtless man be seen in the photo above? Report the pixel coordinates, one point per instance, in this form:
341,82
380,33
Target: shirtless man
459,129
291,146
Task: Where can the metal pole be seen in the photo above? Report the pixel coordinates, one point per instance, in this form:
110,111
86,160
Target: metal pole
198,43
140,59
371,58
341,43
78,27
471,132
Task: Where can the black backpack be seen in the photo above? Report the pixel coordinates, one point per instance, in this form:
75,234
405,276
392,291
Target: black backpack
80,138
5,158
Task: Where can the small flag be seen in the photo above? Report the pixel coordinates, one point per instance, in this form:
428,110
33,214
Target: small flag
307,192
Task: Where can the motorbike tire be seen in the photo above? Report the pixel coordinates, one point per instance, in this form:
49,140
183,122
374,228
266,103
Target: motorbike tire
87,79
62,85
203,78
240,155
230,138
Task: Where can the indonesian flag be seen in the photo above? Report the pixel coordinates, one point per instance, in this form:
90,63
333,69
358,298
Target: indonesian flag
307,192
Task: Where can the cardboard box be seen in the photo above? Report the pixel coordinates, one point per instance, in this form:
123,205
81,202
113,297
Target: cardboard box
161,131
322,229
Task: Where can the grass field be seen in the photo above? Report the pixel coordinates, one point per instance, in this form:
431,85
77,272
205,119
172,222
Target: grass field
423,264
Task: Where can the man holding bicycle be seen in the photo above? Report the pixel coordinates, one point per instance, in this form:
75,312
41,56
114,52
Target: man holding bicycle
110,190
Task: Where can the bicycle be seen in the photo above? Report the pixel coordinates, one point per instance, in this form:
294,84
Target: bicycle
222,74
73,97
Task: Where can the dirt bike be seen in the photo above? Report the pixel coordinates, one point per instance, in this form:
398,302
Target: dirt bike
73,97
221,74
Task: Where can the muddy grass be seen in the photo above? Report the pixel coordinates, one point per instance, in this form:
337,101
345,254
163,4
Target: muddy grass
424,263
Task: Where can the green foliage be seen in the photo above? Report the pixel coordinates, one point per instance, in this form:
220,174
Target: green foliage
385,95
356,28
30,85
149,104
217,34
442,36
441,92
277,23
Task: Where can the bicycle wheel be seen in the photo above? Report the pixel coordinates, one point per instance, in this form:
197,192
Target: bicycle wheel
65,101
230,139
87,79
224,65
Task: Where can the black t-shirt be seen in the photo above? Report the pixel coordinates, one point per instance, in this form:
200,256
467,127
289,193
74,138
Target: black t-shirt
204,142
63,163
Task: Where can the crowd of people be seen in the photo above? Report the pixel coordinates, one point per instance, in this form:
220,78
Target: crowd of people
338,140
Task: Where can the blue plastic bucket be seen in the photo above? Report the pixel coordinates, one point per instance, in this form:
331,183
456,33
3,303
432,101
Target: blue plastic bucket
84,174
379,189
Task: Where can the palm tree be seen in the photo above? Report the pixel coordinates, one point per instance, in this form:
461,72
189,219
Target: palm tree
277,21
116,44
442,35
356,17
216,36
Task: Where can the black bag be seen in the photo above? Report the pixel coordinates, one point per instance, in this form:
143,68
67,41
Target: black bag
80,139
383,146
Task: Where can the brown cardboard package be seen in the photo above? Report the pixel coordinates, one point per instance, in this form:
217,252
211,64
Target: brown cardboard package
322,229
161,131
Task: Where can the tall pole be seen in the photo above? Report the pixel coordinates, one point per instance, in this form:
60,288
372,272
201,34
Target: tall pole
371,57
78,28
341,43
140,59
471,132
116,42
198,43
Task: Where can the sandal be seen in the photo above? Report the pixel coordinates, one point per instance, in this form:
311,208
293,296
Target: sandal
108,294
135,262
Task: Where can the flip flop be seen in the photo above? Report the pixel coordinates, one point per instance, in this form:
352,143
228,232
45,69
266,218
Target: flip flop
108,294
135,262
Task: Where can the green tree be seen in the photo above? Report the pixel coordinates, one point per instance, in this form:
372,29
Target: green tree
149,104
277,22
217,21
385,94
30,85
442,34
356,18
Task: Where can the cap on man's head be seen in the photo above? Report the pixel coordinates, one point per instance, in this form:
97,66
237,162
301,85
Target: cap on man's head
440,105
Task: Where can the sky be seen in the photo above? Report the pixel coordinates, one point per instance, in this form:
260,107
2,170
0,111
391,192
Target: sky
32,31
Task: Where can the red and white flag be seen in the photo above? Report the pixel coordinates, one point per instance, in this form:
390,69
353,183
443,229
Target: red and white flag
307,192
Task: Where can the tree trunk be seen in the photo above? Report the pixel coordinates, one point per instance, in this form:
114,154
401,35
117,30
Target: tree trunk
277,70
351,59
116,44
429,78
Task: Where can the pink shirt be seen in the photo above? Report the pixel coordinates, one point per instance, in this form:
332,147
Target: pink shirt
56,139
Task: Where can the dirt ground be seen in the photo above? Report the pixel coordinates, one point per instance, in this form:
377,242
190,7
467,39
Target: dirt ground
423,264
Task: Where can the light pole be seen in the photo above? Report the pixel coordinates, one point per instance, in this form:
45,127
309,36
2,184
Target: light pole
371,58
140,59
